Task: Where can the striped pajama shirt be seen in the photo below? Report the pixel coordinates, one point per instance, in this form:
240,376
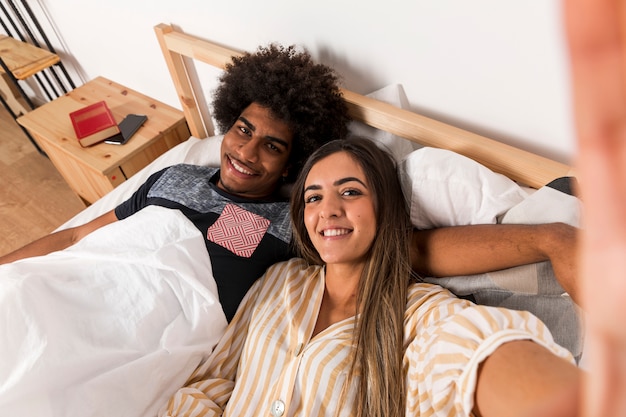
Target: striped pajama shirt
267,363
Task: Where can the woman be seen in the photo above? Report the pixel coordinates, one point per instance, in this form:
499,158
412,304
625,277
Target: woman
344,332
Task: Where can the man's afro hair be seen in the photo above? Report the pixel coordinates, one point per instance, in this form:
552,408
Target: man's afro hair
299,92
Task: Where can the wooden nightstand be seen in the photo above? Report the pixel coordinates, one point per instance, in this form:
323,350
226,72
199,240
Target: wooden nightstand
94,171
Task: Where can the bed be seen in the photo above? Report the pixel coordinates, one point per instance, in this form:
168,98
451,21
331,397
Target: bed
90,342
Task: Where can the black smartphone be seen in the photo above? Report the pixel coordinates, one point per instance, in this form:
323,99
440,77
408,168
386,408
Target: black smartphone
128,127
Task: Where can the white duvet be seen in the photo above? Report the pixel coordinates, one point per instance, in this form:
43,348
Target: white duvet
111,326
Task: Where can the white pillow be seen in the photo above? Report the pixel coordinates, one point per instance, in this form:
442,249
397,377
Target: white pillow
546,205
397,146
448,189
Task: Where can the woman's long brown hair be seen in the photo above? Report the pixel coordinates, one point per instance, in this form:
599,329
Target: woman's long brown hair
382,290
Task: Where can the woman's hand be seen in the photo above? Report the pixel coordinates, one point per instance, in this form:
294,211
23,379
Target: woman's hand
596,31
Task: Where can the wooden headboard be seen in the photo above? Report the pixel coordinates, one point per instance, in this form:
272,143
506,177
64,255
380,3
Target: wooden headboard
180,50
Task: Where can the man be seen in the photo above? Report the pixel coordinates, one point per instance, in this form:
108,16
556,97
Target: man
276,106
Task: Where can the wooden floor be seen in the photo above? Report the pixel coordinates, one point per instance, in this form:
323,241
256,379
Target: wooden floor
34,198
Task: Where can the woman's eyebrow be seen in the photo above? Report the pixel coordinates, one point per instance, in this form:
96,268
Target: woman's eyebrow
338,182
348,179
312,187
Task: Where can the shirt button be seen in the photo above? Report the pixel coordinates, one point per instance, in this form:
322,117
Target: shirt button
277,409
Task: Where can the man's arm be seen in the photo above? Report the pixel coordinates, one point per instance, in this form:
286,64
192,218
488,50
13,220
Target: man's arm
476,249
59,240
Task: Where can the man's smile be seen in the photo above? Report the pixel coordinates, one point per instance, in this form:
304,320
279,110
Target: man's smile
237,166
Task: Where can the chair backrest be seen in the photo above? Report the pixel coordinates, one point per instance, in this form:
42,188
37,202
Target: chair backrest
20,23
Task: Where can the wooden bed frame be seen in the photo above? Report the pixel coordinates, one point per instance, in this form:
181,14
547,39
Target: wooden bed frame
180,50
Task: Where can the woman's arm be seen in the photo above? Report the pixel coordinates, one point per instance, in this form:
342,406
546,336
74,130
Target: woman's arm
470,357
522,378
467,250
59,240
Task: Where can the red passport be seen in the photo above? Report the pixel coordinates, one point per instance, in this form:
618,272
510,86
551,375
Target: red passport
94,124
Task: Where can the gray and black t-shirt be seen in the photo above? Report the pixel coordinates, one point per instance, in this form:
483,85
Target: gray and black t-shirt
243,236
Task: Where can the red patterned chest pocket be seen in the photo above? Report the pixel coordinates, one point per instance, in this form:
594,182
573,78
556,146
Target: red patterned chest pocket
238,230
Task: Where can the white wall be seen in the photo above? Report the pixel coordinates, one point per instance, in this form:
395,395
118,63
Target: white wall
495,67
